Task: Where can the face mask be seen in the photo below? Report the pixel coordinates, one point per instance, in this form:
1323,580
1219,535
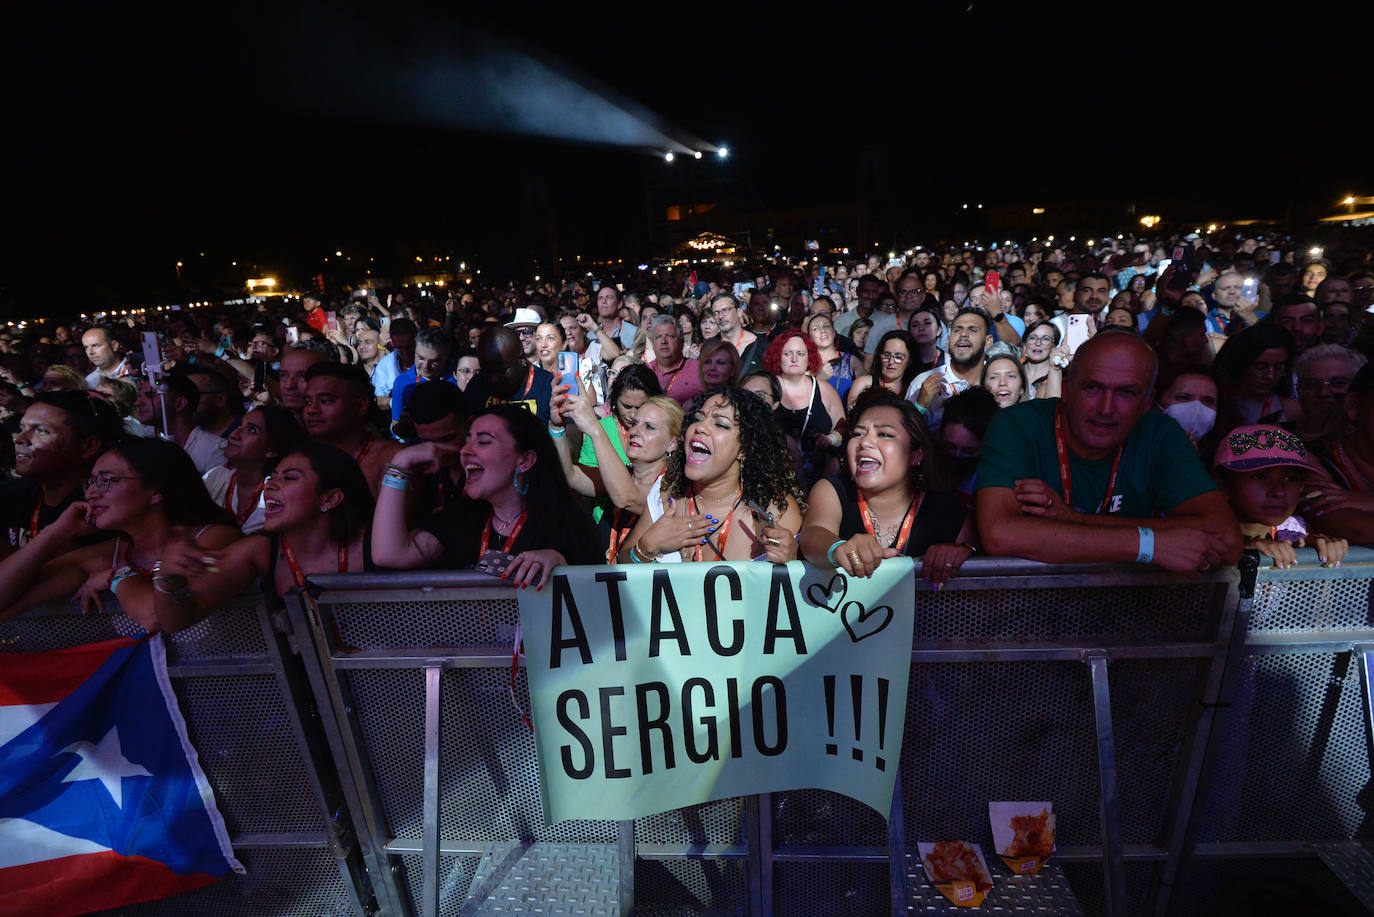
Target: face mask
1194,417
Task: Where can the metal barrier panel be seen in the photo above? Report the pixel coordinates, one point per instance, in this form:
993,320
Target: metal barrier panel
1001,708
379,640
1293,753
244,715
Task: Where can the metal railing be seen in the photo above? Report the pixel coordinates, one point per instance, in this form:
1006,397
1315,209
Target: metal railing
367,757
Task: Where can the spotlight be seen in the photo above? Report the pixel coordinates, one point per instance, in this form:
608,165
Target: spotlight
696,154
723,152
668,156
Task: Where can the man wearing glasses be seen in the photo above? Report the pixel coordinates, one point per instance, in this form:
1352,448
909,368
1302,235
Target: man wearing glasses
730,322
1324,374
911,295
524,323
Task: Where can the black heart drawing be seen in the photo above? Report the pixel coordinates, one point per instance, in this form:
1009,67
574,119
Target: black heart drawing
864,622
827,590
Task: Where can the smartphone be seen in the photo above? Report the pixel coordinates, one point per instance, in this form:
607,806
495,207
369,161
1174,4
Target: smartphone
567,370
152,356
1275,256
821,288
260,376
1249,288
993,282
1080,329
741,290
293,334
762,514
332,320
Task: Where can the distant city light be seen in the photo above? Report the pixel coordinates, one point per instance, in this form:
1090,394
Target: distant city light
1149,222
1037,210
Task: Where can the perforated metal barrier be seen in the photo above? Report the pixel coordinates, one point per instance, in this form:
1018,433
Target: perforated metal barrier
382,767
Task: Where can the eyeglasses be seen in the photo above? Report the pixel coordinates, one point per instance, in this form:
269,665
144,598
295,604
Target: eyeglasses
525,332
1338,386
898,358
104,482
717,313
1039,339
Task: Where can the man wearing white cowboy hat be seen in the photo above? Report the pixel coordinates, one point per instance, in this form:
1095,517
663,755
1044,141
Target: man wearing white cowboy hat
524,323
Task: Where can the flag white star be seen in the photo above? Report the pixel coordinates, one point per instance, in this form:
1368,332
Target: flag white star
105,762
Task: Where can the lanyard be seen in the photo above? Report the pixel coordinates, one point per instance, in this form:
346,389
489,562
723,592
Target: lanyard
673,378
1264,408
1347,469
730,518
529,384
297,574
508,540
618,534
870,524
367,447
33,523
1065,477
231,500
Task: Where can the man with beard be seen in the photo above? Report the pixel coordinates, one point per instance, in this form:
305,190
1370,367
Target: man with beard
170,409
335,410
505,377
60,436
1090,297
614,333
969,337
1097,477
1301,317
212,411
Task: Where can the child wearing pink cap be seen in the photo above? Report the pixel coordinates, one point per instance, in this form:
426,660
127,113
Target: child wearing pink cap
1263,470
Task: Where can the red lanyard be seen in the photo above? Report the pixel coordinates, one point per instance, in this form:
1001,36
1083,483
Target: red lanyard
509,539
720,551
1264,408
529,384
673,378
618,534
367,447
33,523
904,533
1066,478
231,498
297,574
1339,455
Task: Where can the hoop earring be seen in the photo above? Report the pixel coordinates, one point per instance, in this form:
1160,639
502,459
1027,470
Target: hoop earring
521,484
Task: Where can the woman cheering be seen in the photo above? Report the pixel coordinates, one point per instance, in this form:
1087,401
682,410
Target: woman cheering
516,515
729,491
894,501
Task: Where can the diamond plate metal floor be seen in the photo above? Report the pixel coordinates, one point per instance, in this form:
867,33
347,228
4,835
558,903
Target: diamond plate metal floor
1047,893
551,880
1353,864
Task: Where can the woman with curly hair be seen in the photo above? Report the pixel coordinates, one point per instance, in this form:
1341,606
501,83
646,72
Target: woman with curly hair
728,492
809,411
894,501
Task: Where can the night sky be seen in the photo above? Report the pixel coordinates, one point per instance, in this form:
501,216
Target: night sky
276,134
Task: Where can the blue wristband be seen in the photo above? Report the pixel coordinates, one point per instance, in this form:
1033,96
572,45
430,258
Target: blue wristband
1145,553
395,482
830,554
557,432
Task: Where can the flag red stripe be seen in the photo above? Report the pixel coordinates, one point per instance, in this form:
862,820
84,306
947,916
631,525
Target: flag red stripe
46,678
88,882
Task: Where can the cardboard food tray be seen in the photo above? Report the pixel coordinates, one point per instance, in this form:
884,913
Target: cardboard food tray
1005,839
963,892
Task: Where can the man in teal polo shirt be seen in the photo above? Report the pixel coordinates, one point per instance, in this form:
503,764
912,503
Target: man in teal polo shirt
1099,477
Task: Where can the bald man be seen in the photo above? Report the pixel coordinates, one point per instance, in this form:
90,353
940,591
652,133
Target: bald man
1123,466
505,377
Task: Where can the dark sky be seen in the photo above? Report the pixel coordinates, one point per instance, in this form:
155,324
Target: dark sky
279,133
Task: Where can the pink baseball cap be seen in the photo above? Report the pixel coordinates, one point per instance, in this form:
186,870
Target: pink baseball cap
1262,446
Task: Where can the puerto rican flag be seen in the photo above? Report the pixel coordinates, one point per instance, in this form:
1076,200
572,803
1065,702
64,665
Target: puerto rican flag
102,799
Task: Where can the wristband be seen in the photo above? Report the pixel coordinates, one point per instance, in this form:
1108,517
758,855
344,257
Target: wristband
219,354
557,432
1145,553
395,481
920,407
120,576
830,554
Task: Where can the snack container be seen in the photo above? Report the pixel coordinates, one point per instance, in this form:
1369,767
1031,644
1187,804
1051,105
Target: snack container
1022,834
960,892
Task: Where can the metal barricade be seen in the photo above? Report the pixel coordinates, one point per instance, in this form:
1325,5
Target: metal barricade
1290,771
1168,719
249,716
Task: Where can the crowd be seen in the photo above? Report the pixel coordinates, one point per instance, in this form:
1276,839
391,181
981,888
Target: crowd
1160,401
